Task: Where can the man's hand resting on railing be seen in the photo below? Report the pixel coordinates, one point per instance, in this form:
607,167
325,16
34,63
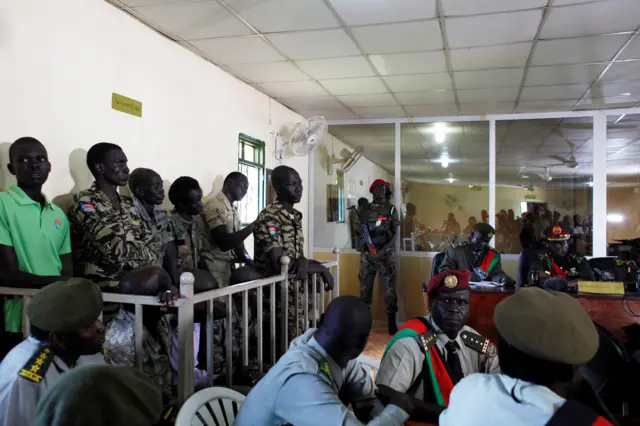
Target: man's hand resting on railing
299,268
316,267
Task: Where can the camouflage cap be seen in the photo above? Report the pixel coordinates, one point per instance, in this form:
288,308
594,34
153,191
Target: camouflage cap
485,229
547,325
557,232
101,395
66,306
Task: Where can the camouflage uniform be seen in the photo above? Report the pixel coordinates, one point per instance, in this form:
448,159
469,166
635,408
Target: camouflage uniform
465,255
276,228
108,242
218,211
158,225
573,265
382,222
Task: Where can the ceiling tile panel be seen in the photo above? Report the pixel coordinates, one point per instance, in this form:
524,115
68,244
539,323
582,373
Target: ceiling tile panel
487,108
577,50
563,74
321,69
364,12
136,3
317,102
623,71
379,112
406,37
540,93
329,114
469,7
592,19
632,51
269,72
294,89
419,82
285,15
354,86
409,63
365,101
315,44
426,98
488,78
480,58
488,95
238,50
432,110
630,89
190,20
566,2
535,106
493,29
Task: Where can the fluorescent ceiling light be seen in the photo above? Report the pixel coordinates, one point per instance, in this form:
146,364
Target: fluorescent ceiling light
615,218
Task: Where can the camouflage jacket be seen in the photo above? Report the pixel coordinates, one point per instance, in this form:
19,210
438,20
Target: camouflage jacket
158,225
219,211
573,266
382,222
187,240
276,228
108,242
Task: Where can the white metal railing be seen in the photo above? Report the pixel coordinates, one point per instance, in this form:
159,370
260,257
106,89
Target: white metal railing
185,318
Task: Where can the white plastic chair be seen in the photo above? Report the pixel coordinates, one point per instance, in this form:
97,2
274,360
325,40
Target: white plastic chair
216,406
372,364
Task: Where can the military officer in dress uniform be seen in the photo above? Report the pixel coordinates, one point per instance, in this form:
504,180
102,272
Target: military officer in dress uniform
378,255
64,328
430,354
554,268
476,256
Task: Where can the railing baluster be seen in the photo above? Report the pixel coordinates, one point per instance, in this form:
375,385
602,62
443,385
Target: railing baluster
139,335
314,294
306,303
296,305
245,328
26,328
285,303
259,329
272,320
336,276
209,340
185,338
229,340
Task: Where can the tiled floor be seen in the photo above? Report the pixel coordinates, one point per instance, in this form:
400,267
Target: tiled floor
378,340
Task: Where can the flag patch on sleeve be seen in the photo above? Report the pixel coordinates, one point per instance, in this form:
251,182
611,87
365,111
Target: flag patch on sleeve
87,208
272,230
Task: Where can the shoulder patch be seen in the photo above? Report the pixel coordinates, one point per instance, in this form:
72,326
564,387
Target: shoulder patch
272,230
87,208
479,344
37,366
427,340
326,369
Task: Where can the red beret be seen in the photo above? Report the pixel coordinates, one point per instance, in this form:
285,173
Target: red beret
449,281
377,183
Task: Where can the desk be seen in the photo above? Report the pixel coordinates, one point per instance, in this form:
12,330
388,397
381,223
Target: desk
610,311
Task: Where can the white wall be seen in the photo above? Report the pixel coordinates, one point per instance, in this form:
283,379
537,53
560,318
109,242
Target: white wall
356,184
61,60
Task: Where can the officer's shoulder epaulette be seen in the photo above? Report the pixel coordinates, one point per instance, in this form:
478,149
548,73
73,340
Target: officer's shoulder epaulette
36,368
479,343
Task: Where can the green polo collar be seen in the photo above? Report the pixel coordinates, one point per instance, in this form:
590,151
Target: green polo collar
23,199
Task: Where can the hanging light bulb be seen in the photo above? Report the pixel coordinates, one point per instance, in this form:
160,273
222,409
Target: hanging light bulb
450,179
440,136
444,160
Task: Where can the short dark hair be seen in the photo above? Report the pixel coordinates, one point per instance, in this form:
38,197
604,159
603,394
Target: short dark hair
97,153
25,140
180,188
138,176
231,177
280,174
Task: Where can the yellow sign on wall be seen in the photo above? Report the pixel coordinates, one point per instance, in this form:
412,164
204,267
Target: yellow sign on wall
126,105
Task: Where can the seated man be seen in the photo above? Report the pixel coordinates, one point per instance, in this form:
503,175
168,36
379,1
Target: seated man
35,248
476,256
65,325
554,268
278,232
101,395
148,196
544,337
105,230
305,386
430,354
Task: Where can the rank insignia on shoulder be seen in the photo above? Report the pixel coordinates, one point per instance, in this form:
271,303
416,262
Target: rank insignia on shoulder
620,262
87,208
479,344
427,340
36,368
325,369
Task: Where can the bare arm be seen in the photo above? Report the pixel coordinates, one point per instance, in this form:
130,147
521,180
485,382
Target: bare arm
227,241
170,262
12,276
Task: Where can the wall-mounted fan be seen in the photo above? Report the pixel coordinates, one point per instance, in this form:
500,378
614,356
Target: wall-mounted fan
307,136
346,160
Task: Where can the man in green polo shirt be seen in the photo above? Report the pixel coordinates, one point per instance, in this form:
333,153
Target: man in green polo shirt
35,247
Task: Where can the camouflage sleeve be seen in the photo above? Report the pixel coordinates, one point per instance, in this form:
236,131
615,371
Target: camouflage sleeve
214,214
267,234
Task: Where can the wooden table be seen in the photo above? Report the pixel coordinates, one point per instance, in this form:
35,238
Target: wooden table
612,312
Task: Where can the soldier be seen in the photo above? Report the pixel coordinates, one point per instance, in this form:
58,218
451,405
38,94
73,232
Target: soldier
278,232
101,395
430,354
545,336
381,220
223,229
555,267
309,383
148,195
476,256
65,326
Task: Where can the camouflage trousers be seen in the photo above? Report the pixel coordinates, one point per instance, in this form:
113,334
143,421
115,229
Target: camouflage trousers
385,268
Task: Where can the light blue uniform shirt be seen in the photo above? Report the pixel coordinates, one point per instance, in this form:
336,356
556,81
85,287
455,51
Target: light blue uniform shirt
485,399
298,390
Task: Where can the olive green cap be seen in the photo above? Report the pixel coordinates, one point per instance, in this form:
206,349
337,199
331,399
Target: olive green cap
485,229
66,306
101,395
547,325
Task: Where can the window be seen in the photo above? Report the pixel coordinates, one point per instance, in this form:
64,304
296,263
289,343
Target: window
251,164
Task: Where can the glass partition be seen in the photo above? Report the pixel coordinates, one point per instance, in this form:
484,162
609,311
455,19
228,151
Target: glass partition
445,176
543,178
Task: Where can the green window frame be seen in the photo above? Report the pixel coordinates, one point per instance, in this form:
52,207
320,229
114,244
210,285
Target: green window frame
251,162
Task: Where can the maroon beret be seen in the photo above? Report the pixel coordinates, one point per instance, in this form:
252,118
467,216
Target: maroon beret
449,281
377,183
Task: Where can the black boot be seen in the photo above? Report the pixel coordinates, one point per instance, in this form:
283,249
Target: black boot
392,326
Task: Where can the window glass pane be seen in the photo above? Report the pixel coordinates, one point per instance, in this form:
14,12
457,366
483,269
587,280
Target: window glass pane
250,206
445,176
249,153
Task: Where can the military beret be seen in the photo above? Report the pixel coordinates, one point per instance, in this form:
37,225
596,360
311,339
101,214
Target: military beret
377,183
101,395
66,306
547,325
449,281
485,229
557,232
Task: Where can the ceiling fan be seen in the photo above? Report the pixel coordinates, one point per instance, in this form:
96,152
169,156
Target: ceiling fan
568,161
